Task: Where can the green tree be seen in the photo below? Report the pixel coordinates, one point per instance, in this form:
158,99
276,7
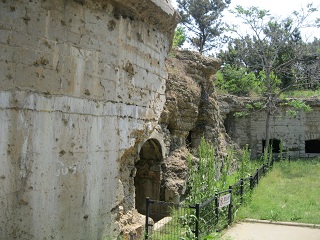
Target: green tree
307,69
203,20
273,47
239,81
179,37
277,42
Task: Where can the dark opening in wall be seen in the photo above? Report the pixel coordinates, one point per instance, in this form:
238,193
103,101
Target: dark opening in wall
229,123
312,146
147,180
275,143
189,140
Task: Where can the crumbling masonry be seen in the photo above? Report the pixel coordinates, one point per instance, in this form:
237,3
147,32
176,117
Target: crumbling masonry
82,87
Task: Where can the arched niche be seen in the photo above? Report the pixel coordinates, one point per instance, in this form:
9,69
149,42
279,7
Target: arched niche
148,176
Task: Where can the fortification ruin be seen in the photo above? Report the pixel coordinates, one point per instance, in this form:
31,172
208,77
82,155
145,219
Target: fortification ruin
93,119
300,134
82,89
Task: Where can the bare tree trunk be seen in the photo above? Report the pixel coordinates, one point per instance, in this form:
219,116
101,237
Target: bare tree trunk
269,110
268,126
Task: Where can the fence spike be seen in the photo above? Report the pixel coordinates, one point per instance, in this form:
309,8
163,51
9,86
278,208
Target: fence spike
216,201
230,207
241,190
198,219
147,219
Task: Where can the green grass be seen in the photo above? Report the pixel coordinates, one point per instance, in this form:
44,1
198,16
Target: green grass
290,192
301,94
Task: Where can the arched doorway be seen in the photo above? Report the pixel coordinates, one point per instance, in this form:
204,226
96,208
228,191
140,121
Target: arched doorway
148,176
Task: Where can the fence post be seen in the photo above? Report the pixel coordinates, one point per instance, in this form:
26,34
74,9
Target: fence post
241,190
230,206
216,201
251,182
257,176
266,167
198,219
147,219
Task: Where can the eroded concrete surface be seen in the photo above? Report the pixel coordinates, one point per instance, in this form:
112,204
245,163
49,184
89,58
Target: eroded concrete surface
82,83
294,130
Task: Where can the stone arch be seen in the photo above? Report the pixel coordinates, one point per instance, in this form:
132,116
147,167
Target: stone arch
147,181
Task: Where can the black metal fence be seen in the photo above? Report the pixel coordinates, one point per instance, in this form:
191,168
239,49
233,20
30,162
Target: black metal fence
176,221
179,221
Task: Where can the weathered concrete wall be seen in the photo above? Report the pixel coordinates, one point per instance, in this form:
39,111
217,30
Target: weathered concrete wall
292,130
82,83
190,113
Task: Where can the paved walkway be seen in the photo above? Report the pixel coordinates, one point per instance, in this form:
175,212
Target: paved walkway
265,230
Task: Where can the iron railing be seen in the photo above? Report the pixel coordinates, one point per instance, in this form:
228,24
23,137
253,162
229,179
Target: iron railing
180,221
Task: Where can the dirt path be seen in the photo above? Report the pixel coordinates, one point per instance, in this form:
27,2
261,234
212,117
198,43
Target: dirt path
270,231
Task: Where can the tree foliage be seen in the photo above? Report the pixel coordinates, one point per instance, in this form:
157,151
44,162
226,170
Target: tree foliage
238,81
203,19
272,45
272,48
307,69
179,37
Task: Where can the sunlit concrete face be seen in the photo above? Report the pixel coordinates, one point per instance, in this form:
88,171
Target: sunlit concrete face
80,83
299,134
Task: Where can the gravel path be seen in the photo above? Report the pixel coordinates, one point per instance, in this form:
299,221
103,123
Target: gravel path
264,230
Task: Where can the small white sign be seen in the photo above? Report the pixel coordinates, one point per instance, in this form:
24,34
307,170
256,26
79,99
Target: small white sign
224,200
